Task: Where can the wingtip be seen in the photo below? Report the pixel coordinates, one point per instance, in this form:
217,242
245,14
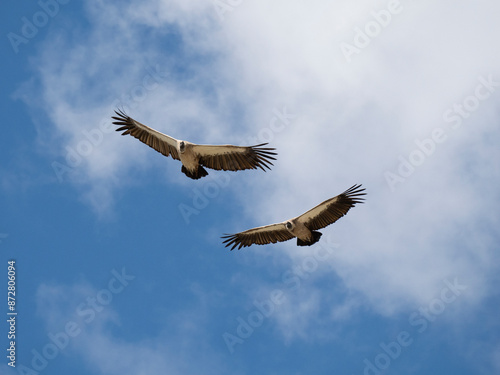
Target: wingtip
122,115
230,240
264,149
356,193
120,111
122,120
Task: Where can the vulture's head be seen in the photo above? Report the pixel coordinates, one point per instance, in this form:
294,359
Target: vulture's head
182,146
289,225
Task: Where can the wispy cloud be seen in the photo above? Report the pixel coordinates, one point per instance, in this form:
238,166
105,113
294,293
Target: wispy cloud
180,345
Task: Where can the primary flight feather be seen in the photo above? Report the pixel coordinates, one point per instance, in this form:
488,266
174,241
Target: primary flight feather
304,227
193,156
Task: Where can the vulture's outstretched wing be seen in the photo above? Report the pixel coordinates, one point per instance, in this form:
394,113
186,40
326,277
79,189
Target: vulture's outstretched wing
262,235
235,158
160,142
332,209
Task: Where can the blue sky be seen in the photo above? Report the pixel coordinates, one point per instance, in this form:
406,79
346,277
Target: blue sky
120,265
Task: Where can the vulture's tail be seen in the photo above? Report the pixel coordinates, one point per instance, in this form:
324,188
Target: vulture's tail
315,238
195,175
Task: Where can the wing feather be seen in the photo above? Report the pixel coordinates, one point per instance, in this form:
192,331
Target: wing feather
329,211
235,158
160,142
260,236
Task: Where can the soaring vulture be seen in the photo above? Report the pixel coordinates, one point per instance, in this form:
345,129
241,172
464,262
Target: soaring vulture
304,226
193,156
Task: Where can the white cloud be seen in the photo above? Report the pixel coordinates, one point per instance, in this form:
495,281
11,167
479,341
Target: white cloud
355,120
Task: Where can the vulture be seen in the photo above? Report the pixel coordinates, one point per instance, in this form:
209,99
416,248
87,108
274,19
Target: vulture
193,156
304,227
